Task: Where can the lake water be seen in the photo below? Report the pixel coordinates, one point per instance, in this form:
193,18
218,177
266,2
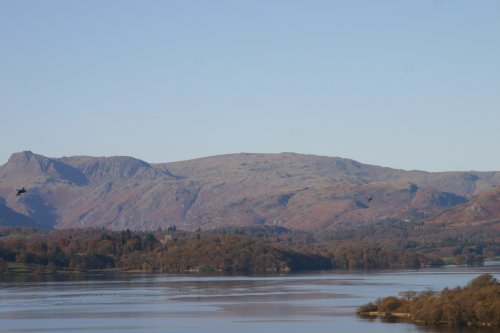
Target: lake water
312,303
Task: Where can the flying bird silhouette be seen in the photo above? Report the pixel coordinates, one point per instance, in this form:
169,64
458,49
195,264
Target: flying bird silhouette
20,191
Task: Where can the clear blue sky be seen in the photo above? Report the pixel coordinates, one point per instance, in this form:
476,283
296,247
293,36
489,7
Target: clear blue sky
405,84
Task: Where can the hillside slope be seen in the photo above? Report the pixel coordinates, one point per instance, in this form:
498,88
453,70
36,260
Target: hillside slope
296,191
484,209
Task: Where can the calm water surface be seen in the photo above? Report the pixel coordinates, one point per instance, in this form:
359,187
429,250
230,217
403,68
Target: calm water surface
312,303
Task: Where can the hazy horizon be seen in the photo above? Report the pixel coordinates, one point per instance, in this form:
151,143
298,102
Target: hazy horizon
406,85
237,153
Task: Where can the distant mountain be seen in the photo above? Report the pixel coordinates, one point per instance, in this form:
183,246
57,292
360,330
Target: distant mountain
295,191
483,209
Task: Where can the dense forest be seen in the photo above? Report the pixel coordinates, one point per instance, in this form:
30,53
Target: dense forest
477,304
256,249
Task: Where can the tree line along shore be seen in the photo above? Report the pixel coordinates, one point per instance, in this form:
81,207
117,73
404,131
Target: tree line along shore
256,249
475,305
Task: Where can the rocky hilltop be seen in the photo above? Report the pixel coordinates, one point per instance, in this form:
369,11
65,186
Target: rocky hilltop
291,190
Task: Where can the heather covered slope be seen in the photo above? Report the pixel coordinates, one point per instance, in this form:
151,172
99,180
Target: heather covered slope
296,191
483,209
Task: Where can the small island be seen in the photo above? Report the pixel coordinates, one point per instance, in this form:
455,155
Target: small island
475,305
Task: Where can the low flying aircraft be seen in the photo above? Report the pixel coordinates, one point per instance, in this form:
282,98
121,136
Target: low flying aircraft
20,191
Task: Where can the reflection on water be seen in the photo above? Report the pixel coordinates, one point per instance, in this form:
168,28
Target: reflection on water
316,302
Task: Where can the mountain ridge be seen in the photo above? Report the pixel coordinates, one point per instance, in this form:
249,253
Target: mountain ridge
297,191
